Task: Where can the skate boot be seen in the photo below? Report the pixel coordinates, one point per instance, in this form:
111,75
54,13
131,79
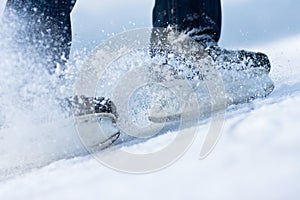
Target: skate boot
237,59
96,120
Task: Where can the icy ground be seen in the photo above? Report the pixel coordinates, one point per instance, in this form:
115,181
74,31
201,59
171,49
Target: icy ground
257,156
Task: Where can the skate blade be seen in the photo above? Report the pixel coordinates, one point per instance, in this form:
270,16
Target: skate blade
97,131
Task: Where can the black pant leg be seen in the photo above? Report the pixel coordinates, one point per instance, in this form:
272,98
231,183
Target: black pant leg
45,25
196,17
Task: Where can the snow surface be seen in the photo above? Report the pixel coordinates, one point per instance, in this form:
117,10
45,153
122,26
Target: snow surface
256,157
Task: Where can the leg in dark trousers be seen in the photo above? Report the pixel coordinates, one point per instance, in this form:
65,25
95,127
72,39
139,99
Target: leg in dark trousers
44,25
201,19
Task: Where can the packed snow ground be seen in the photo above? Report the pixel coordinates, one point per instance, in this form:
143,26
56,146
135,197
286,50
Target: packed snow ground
257,156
